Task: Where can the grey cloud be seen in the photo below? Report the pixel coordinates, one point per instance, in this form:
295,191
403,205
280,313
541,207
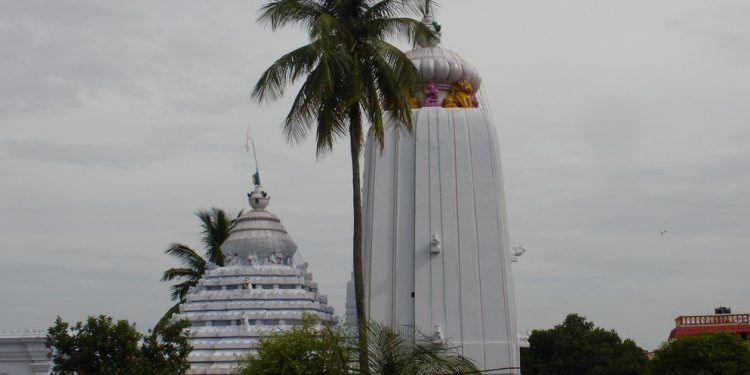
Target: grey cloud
80,154
59,55
722,31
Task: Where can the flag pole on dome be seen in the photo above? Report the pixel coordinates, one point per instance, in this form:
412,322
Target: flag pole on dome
250,142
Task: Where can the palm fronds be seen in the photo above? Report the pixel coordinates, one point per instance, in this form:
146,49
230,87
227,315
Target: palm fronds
215,225
405,352
349,71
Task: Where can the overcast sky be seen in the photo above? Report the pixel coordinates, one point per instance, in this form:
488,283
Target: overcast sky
617,120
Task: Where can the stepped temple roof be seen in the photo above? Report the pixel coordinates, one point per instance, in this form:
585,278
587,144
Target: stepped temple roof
259,290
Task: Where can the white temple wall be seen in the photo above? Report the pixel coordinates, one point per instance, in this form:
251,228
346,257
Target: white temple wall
395,269
23,353
444,179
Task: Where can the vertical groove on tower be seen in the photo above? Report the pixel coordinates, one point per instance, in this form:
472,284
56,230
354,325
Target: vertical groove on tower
394,242
367,245
458,237
479,252
421,252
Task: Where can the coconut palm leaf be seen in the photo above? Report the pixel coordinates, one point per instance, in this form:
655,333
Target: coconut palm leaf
165,318
405,352
215,227
187,256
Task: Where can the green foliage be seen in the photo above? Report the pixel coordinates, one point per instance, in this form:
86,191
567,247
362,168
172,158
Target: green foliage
400,353
304,350
100,346
347,70
720,353
577,347
318,349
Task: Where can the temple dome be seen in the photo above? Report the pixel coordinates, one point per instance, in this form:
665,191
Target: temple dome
443,67
258,232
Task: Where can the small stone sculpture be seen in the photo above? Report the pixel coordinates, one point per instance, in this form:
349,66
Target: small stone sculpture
248,284
431,95
229,259
413,102
276,258
460,96
252,259
435,244
245,320
437,335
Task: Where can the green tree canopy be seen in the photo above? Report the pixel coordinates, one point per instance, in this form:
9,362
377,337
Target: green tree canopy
304,350
577,347
101,346
719,353
313,349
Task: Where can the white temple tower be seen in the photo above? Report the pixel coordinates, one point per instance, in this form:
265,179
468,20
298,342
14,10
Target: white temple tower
259,291
436,249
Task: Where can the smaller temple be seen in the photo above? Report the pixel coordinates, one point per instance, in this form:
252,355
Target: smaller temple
259,291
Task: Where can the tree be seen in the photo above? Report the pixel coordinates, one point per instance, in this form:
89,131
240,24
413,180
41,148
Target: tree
577,347
404,353
312,349
308,349
215,224
348,72
101,346
718,353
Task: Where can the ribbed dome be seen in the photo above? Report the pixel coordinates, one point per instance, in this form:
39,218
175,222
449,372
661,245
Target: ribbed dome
258,232
443,67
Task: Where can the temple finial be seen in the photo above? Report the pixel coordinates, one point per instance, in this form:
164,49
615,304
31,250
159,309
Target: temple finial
250,142
258,197
429,20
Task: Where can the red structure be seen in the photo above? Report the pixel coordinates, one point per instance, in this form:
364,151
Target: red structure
722,320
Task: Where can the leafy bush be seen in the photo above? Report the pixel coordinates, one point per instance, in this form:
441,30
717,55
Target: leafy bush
101,346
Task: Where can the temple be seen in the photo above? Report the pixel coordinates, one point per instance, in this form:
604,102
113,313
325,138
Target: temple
259,291
436,249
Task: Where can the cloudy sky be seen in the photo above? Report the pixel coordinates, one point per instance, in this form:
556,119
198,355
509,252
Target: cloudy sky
617,120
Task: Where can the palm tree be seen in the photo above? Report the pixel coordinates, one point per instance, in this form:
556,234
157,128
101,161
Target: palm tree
215,224
406,352
349,71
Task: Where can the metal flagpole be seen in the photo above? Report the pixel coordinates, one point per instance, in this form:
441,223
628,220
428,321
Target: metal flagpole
248,142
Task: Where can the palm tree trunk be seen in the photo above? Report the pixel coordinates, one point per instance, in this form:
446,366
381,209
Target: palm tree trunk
355,137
